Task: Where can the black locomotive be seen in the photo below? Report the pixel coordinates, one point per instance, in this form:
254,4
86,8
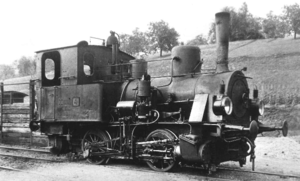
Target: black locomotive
101,102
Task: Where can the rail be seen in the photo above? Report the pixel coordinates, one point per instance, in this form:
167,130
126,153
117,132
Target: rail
25,149
1,114
30,158
258,172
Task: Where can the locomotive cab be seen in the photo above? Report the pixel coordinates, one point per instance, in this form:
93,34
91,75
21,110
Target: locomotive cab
70,78
70,83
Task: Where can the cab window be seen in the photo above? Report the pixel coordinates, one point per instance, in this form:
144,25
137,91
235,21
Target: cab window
50,69
88,64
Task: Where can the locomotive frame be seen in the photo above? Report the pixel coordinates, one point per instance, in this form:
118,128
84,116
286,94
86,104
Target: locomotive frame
101,102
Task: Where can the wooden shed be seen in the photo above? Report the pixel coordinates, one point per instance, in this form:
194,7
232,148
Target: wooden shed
17,109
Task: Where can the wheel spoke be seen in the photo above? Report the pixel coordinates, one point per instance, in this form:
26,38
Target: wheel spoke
160,164
96,139
92,137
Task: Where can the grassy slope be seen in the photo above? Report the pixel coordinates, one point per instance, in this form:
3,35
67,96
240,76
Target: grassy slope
269,61
273,64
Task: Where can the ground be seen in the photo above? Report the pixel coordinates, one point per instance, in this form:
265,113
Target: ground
277,155
273,154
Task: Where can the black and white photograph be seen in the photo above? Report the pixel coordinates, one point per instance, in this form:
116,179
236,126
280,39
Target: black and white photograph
149,90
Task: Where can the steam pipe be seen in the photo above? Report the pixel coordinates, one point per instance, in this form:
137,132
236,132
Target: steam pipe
222,22
116,47
113,42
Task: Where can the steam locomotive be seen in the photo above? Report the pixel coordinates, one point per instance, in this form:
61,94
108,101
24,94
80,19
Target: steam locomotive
100,101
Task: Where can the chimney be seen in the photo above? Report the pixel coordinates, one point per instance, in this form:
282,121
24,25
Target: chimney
222,36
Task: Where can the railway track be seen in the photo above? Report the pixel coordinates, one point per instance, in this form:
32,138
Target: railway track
228,169
16,155
25,149
257,172
130,166
208,178
34,174
29,158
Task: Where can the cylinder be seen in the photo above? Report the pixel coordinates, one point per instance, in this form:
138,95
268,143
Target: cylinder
222,22
138,68
186,59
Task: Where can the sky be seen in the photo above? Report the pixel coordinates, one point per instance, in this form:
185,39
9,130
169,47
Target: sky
31,25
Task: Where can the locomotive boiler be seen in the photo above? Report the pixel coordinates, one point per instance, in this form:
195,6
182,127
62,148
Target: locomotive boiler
101,102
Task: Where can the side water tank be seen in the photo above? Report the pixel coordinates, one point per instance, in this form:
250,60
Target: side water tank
186,59
138,68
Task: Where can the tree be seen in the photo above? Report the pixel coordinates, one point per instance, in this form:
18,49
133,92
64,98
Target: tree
198,40
269,25
26,66
235,30
6,72
292,17
212,34
273,26
254,28
281,27
135,43
162,37
242,17
124,43
242,24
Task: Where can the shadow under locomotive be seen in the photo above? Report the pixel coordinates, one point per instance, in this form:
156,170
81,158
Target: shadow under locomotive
101,102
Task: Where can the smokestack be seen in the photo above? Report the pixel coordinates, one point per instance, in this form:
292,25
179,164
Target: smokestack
222,35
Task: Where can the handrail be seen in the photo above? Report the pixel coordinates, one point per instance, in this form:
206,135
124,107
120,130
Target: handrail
68,77
22,83
1,116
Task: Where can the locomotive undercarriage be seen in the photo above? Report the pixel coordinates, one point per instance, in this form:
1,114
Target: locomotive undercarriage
162,149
